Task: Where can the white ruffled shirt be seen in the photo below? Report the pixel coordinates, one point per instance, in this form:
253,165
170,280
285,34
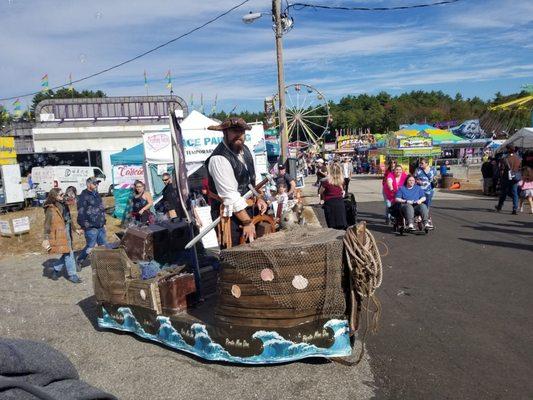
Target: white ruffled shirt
226,184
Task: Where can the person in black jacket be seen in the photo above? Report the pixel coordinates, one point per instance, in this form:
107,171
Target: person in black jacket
91,218
487,172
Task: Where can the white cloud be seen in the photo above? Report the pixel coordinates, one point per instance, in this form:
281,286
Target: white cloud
354,53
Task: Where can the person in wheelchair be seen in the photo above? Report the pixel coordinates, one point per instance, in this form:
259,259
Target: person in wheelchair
410,199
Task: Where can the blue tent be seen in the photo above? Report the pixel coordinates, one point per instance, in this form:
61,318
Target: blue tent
131,156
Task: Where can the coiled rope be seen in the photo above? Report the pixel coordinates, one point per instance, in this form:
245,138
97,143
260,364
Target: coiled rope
366,274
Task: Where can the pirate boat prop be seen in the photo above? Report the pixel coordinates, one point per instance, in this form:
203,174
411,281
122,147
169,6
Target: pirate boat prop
286,296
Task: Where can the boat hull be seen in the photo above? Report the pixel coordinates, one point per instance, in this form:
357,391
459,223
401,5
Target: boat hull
230,343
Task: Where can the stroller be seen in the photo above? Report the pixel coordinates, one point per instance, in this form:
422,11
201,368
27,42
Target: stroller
399,224
351,208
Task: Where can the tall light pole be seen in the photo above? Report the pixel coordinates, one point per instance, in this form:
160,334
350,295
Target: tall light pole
279,29
283,133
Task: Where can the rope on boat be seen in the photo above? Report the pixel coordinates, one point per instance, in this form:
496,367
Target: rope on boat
366,274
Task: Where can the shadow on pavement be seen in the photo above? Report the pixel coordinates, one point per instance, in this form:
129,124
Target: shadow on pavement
508,245
480,209
497,230
88,306
514,224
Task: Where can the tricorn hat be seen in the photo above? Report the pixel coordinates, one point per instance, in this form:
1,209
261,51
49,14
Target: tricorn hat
231,123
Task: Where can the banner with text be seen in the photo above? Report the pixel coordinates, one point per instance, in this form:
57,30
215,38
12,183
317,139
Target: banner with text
125,175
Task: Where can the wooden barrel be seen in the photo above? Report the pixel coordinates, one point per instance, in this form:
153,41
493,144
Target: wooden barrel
282,280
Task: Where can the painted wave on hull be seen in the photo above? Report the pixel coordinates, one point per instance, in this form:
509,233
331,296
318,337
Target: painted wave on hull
276,349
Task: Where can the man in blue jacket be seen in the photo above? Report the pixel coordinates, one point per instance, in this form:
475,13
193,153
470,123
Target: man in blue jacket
91,218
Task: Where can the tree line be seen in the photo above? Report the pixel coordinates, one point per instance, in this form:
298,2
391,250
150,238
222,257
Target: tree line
380,113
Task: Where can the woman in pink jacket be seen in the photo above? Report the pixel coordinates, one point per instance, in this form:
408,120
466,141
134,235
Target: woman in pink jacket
392,182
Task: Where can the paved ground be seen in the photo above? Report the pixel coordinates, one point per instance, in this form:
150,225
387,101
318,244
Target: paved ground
457,303
456,321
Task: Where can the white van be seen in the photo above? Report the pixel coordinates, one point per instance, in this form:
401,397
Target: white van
64,176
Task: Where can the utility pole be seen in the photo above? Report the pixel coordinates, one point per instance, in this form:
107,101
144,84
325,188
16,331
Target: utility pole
283,134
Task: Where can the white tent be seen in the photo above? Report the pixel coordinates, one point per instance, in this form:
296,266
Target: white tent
522,139
199,142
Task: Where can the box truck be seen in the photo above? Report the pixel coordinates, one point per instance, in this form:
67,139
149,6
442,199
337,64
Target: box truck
64,176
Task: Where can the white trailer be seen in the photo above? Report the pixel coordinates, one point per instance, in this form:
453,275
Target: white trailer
11,192
64,176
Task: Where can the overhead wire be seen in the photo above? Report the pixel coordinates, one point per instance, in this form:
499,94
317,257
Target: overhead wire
300,6
135,57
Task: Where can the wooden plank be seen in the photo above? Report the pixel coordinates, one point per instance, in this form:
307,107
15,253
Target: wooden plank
284,275
265,301
248,289
263,313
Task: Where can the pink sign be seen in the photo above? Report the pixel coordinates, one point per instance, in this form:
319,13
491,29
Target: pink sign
158,141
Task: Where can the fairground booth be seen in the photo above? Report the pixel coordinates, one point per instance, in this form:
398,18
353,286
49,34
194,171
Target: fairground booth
415,141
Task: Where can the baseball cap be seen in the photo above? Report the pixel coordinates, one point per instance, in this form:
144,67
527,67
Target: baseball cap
93,180
281,166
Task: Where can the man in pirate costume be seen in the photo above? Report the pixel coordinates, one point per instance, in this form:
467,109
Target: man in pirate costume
230,172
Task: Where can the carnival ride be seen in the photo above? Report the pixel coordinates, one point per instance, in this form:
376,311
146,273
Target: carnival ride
308,113
503,119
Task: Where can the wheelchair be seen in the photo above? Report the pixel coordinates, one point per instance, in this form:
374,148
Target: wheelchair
399,223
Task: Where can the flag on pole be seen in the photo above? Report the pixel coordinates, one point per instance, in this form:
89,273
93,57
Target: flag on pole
179,163
70,86
202,103
168,77
214,108
44,83
191,101
146,82
17,108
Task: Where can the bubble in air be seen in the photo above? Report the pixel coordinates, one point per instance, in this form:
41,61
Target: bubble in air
83,58
98,15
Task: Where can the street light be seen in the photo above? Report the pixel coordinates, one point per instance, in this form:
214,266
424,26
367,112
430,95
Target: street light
282,24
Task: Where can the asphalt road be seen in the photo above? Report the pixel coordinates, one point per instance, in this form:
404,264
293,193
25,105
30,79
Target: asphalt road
457,318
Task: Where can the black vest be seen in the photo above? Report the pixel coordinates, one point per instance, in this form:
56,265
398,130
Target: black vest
245,175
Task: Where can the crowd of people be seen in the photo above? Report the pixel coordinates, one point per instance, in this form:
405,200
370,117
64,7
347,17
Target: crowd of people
508,176
406,195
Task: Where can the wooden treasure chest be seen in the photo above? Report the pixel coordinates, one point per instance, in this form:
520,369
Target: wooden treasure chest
174,290
146,243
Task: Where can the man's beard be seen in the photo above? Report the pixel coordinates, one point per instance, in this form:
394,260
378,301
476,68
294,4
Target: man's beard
236,146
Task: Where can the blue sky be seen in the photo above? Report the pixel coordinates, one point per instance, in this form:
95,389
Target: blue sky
476,47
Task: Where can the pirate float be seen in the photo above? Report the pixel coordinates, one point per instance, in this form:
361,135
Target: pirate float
272,296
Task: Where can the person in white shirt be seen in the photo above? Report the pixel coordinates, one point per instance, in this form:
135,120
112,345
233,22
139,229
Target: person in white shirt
230,170
347,169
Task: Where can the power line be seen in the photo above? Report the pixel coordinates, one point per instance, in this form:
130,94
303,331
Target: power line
133,58
300,6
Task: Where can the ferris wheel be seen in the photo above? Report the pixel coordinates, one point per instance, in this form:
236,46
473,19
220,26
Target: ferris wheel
308,115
